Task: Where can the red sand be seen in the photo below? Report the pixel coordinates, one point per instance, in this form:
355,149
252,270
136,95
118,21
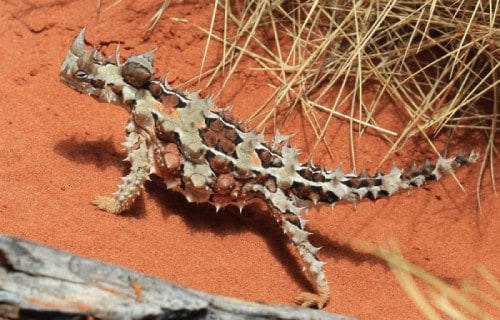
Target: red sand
60,149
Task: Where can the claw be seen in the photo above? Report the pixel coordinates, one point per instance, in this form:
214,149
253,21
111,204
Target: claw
312,300
105,204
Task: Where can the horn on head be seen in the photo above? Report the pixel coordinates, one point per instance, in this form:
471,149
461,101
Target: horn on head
78,46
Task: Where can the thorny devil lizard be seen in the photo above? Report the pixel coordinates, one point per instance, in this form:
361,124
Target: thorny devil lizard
201,152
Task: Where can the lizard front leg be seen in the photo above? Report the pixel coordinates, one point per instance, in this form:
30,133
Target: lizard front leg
133,182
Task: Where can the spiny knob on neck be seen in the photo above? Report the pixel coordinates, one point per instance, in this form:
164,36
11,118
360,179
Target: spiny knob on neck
138,69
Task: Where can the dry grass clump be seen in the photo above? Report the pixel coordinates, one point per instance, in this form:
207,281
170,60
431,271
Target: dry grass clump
434,297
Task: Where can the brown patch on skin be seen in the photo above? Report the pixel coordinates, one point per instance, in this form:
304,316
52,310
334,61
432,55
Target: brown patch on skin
136,75
219,164
98,83
369,182
224,184
318,177
165,136
314,197
227,146
155,89
243,173
230,191
261,178
303,190
291,218
327,196
117,89
210,138
217,125
307,174
172,162
236,192
172,158
170,100
231,134
355,183
167,102
265,156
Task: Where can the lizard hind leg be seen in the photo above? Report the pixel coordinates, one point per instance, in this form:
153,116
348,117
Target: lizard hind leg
293,226
132,184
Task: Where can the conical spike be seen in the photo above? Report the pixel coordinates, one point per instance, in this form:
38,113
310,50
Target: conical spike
314,198
96,55
115,57
339,169
395,170
364,174
414,168
378,173
314,250
117,54
145,59
78,46
150,57
302,222
427,164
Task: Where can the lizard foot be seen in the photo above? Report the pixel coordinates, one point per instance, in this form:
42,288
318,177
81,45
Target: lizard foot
105,204
312,300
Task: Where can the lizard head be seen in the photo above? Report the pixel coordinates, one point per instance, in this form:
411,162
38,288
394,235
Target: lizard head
106,79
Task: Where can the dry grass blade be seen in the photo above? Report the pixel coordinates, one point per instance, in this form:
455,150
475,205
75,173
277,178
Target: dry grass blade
440,297
157,16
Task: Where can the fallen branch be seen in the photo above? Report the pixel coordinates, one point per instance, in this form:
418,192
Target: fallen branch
39,282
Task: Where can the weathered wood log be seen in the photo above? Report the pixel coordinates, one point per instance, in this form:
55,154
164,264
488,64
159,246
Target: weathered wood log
39,282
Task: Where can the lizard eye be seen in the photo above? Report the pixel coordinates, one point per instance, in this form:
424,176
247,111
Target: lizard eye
81,74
